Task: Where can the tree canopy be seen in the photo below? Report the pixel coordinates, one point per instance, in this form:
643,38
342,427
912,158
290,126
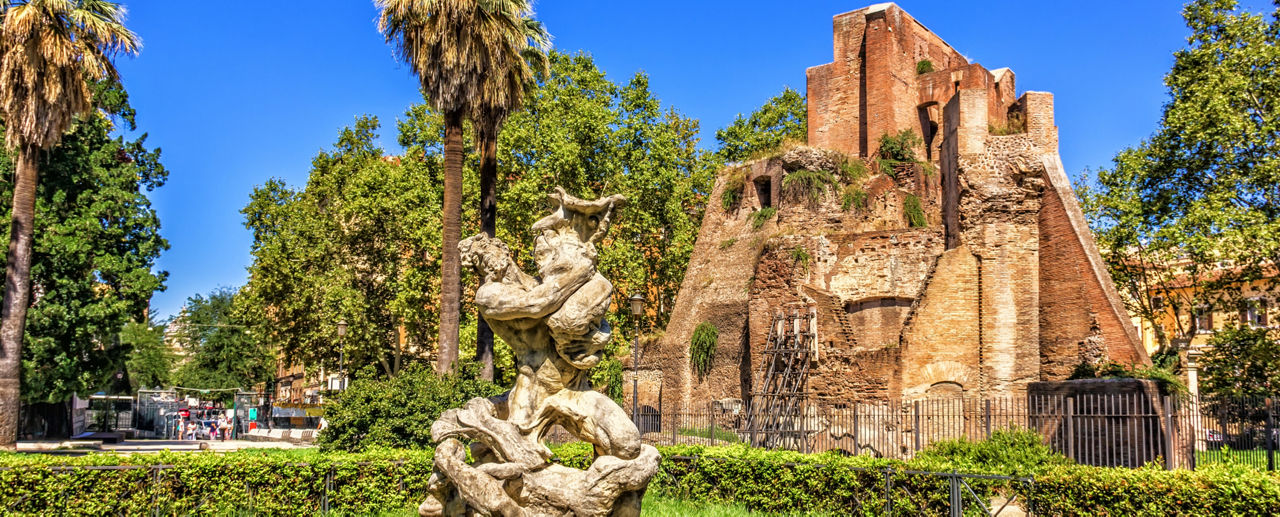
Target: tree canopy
222,351
362,240
97,238
1242,362
1191,213
783,118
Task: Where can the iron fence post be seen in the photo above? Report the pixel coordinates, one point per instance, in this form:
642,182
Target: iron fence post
915,410
1071,432
888,487
1271,447
856,448
328,478
957,504
986,412
1168,434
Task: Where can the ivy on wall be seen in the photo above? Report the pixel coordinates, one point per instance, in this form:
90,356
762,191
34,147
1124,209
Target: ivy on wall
702,347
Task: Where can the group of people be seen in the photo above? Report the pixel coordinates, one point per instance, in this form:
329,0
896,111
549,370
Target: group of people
217,429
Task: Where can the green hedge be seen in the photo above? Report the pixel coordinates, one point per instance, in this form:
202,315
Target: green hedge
1215,490
242,483
296,482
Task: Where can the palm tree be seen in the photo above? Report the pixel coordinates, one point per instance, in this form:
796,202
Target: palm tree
517,56
52,51
448,44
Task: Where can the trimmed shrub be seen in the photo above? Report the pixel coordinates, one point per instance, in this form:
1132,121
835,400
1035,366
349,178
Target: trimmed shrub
702,347
1015,452
397,412
295,482
254,482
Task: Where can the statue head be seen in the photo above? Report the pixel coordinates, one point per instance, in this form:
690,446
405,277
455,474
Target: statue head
488,255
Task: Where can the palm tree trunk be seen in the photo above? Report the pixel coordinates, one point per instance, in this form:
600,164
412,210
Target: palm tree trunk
488,224
451,266
17,293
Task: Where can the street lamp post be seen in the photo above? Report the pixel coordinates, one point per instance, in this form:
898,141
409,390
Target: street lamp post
342,354
637,309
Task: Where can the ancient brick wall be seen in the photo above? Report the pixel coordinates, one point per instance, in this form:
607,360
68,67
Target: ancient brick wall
1002,287
942,341
869,87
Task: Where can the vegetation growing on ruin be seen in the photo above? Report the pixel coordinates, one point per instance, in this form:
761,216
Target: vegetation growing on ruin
924,66
728,243
806,186
800,257
1163,375
734,181
914,212
702,347
853,197
896,149
762,216
853,169
1013,125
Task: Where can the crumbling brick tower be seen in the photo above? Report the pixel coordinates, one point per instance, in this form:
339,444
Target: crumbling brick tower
998,284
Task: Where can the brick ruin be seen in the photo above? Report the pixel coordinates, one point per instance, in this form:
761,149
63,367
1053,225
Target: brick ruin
1002,286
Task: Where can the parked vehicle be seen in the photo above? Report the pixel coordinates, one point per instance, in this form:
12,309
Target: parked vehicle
1213,438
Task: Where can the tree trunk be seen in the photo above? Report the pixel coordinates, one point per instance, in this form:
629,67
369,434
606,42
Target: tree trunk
451,267
17,293
488,224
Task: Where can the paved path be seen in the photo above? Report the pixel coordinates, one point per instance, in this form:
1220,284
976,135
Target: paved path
148,446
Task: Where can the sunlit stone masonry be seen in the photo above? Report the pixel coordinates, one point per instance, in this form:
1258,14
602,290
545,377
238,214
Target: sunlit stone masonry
969,273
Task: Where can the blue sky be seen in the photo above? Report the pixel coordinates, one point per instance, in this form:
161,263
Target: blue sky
237,92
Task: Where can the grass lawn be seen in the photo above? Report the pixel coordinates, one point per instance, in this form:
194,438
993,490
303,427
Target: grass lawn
662,507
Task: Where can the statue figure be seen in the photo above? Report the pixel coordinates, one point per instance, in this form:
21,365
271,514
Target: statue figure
556,326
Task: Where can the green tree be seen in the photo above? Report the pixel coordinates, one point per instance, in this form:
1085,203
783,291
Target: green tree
783,118
222,351
594,137
96,243
52,50
449,45
1241,362
151,362
521,52
1196,204
360,243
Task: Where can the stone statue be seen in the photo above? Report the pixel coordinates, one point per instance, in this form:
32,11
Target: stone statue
556,326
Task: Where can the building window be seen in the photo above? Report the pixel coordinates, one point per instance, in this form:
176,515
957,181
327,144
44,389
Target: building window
1204,319
1253,312
1157,303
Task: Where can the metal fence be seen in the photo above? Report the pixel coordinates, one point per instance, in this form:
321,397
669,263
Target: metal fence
339,489
1114,430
